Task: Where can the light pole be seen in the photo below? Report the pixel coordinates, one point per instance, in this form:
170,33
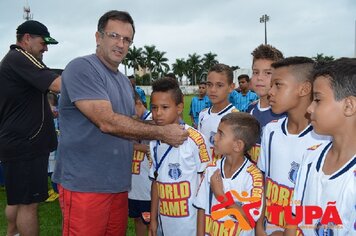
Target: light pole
264,19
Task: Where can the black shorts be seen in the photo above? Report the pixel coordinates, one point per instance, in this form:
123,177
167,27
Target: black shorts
26,181
140,209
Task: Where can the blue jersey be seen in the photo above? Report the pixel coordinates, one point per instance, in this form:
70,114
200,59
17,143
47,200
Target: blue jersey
142,94
197,105
241,101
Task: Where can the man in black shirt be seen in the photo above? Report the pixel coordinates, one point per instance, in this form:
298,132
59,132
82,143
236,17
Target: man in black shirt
27,133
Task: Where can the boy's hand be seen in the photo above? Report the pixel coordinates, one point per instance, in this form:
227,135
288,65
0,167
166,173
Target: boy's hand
152,231
216,184
173,134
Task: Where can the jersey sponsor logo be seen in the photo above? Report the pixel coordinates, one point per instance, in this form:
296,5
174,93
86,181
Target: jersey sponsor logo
292,175
199,141
174,171
138,157
277,195
173,198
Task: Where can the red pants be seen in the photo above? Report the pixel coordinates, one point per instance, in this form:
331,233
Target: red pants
94,214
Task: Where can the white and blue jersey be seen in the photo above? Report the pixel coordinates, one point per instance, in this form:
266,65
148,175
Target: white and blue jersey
314,188
280,158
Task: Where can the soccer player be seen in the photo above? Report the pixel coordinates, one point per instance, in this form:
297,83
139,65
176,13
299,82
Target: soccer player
327,176
242,98
219,86
140,193
198,104
237,132
175,171
284,141
263,57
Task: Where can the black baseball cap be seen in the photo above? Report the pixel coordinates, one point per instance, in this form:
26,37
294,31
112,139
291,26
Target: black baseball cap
36,28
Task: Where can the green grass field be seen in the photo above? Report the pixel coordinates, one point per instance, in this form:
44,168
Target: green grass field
49,213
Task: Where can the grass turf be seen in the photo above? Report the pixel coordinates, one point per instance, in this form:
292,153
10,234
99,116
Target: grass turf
49,213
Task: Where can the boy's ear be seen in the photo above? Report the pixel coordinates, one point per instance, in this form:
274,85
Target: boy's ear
306,88
180,108
238,145
231,87
350,106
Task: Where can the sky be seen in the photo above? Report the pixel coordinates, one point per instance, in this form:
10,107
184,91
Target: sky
229,28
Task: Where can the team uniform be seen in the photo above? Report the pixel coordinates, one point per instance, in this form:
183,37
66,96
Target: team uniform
280,158
264,116
176,171
241,101
140,193
314,188
197,105
209,122
248,178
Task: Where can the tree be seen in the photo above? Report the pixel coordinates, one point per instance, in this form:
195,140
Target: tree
134,58
209,60
193,67
320,58
149,53
179,68
160,63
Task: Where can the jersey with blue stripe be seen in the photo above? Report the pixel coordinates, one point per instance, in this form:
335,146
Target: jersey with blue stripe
314,188
280,158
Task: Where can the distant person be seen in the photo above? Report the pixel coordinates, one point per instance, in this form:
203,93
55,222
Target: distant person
93,169
263,57
175,171
219,86
140,193
285,140
27,133
244,96
237,132
327,176
198,104
138,90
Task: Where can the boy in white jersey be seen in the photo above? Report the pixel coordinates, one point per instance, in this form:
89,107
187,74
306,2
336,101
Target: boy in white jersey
237,132
284,141
327,176
140,193
263,57
175,171
219,86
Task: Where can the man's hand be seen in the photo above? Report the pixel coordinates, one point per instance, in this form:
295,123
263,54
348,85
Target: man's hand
174,134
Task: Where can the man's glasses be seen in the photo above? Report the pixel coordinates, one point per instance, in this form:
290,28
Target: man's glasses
115,36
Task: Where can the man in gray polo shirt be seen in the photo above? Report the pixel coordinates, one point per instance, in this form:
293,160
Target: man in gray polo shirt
95,150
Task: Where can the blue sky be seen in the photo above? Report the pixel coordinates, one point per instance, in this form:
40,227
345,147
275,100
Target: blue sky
229,28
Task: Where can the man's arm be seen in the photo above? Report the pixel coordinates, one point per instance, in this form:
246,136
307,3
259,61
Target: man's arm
100,112
56,85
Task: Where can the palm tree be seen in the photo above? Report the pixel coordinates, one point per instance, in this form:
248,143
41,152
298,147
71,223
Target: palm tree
149,54
321,58
209,60
193,67
134,58
179,68
160,63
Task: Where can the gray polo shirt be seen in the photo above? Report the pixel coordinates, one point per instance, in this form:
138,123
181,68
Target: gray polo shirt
89,160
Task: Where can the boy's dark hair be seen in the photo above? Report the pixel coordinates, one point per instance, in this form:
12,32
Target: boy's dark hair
202,82
243,76
301,67
115,15
341,74
171,75
222,68
168,85
244,126
266,51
